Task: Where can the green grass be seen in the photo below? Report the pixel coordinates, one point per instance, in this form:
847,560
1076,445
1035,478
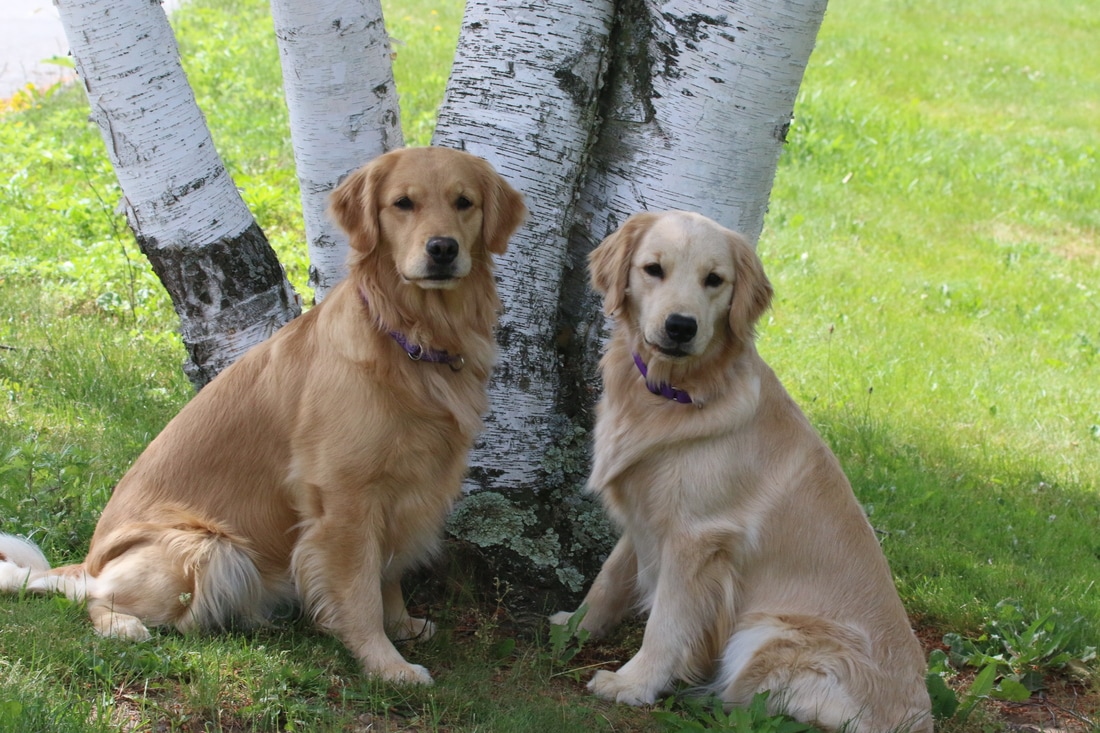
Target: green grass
933,242
932,238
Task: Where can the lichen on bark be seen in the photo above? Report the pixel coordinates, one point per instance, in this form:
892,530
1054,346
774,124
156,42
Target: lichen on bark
555,539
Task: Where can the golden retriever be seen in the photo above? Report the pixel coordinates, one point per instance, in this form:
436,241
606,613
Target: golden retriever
740,533
322,464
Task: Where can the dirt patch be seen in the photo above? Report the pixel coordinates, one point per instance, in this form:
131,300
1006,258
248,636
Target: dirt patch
1063,706
1068,242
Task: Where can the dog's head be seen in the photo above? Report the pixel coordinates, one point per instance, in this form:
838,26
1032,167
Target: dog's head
435,211
684,283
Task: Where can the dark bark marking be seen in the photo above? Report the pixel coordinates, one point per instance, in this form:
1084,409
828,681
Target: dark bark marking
578,86
780,132
631,41
173,195
690,29
572,85
579,336
234,267
391,124
210,287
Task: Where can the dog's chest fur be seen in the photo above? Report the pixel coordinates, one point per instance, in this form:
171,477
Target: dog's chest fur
667,471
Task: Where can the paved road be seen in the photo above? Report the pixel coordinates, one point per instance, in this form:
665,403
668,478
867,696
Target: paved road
30,33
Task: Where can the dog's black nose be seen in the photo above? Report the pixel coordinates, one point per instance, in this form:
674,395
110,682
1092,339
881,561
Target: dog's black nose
442,250
681,329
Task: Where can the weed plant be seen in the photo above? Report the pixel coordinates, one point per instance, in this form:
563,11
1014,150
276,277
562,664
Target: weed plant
932,239
709,714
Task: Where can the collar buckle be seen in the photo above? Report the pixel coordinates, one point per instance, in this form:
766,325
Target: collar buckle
417,352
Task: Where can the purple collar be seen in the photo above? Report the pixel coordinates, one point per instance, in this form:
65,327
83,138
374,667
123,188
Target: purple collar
664,389
417,352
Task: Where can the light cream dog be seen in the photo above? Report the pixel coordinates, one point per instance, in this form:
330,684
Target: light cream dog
740,533
321,465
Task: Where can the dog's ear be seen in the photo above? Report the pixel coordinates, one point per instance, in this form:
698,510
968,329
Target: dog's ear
354,204
752,291
502,211
609,263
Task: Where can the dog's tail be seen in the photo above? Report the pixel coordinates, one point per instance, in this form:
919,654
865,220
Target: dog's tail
23,567
821,672
21,562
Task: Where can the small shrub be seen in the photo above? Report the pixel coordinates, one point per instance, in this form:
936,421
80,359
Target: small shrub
1013,655
567,640
1021,650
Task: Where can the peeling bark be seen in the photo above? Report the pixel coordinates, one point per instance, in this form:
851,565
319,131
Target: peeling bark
343,109
180,202
699,102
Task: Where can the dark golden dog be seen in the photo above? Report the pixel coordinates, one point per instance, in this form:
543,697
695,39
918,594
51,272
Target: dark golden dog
321,465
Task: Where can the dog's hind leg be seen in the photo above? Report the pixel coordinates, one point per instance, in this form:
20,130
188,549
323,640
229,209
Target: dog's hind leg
188,577
139,587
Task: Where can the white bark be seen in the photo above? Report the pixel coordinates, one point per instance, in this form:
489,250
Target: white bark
522,94
343,108
181,204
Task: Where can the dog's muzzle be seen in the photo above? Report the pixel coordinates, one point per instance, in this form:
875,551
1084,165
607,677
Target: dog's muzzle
679,331
442,253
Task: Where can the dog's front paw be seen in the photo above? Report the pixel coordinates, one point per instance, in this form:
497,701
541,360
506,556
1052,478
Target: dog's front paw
620,688
561,618
403,674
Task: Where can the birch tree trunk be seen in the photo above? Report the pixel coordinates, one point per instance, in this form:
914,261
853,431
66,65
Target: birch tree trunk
694,98
343,108
225,281
523,94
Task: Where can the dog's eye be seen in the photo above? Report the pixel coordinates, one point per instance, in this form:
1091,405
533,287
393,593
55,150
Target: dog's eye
654,270
404,203
712,280
463,203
